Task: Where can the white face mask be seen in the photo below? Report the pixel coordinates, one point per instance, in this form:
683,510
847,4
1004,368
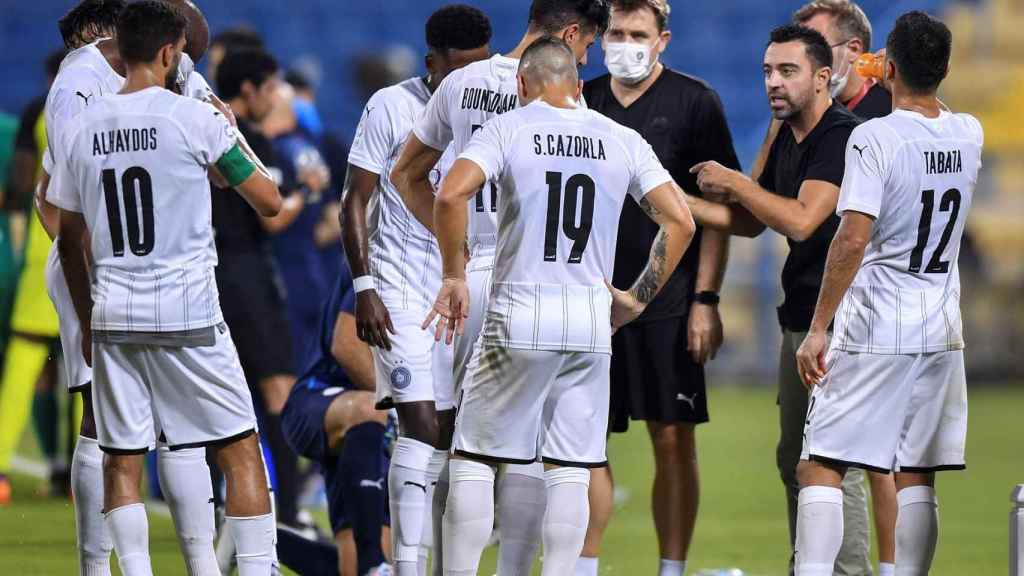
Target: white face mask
839,79
628,62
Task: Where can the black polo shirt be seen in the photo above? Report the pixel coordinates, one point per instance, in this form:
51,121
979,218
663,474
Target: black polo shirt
875,104
236,225
821,156
682,118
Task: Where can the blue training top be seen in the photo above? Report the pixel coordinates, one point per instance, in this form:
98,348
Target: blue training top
323,371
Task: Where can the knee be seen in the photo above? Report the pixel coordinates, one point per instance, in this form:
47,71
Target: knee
673,443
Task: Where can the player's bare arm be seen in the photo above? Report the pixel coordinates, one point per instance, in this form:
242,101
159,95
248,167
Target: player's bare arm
731,218
49,215
352,353
71,247
258,187
411,176
704,327
667,208
844,258
796,218
452,303
372,318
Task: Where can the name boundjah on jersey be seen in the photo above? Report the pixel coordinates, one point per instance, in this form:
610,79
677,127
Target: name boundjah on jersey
488,100
124,140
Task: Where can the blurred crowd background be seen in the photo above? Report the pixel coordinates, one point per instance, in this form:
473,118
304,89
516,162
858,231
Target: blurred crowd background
335,54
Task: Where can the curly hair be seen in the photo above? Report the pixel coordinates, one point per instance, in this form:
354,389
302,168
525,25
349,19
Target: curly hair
458,27
89,21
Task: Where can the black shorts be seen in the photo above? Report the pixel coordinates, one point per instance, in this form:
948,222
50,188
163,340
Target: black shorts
653,377
253,303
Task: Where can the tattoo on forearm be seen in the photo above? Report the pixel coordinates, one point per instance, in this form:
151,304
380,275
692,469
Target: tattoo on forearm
646,287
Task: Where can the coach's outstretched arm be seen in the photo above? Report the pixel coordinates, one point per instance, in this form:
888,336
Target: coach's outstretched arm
452,304
411,176
667,207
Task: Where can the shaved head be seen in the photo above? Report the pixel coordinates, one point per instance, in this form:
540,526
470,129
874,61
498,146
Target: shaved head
547,61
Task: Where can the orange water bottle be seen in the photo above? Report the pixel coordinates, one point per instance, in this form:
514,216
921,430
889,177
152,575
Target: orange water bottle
870,66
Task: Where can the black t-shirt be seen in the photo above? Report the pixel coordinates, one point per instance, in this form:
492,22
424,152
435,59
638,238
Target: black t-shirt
236,225
875,104
821,156
682,118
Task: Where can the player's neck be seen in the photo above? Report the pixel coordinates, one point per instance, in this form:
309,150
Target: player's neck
108,48
927,105
239,108
528,39
626,94
140,77
803,123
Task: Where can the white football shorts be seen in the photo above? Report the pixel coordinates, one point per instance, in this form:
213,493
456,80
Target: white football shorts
79,375
889,412
189,397
520,406
478,280
416,369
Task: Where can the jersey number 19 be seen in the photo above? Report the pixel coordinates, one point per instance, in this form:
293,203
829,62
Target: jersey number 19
140,241
579,196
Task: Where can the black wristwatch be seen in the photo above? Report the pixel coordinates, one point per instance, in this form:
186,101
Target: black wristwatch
707,297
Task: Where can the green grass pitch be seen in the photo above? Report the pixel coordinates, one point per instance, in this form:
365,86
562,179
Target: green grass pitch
742,516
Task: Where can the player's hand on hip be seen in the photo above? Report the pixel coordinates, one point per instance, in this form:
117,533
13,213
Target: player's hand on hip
625,307
704,332
373,322
714,181
450,310
810,358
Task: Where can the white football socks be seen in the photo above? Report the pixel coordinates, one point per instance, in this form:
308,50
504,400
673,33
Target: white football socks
129,529
407,483
94,543
437,518
427,542
468,517
185,480
566,518
586,566
917,530
672,567
819,530
522,497
255,538
886,569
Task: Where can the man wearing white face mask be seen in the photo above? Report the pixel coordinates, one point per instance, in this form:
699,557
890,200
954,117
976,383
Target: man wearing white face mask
657,370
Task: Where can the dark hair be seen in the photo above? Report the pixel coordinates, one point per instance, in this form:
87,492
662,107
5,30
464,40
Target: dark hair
88,20
550,16
53,62
920,46
660,9
551,57
458,27
298,79
818,50
145,27
847,17
252,64
238,37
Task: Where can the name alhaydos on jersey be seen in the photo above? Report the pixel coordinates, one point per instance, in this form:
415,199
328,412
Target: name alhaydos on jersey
123,140
943,162
569,146
488,100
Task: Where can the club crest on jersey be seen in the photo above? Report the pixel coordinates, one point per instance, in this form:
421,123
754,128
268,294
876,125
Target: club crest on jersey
401,377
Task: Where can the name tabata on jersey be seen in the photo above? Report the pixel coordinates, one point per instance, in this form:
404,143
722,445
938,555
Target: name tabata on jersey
568,146
488,100
943,162
124,140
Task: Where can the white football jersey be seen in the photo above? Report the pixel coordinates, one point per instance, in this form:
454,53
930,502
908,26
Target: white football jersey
564,175
465,101
405,261
136,165
915,176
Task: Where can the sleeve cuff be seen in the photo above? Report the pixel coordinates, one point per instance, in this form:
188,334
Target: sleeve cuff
63,204
428,140
478,161
365,164
857,207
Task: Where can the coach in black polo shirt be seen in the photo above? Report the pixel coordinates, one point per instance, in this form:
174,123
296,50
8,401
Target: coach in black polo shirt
657,370
796,195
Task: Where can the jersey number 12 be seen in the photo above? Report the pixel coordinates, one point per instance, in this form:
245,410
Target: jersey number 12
950,201
579,196
139,240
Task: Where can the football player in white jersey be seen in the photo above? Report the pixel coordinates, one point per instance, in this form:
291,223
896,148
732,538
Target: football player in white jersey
462,104
895,366
397,270
538,383
157,323
93,69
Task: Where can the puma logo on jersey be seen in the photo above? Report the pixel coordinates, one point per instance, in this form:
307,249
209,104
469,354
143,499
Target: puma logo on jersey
688,399
860,149
84,97
379,484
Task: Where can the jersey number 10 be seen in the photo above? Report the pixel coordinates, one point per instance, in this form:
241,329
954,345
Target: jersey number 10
950,201
579,195
140,241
